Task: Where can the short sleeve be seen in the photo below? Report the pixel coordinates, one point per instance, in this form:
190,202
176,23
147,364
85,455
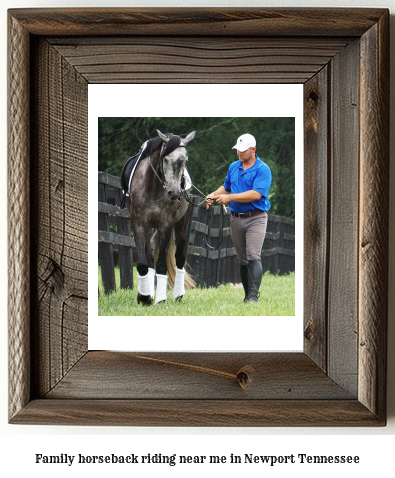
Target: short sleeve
227,183
262,181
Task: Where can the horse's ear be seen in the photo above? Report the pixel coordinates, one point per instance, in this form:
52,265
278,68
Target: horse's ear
189,138
163,137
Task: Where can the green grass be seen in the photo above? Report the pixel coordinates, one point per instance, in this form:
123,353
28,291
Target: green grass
277,298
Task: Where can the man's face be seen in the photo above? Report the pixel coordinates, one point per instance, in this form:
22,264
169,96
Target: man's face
246,155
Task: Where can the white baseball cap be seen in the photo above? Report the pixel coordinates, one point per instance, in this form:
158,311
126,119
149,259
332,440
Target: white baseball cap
244,142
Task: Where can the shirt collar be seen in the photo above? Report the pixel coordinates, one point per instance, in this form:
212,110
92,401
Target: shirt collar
251,167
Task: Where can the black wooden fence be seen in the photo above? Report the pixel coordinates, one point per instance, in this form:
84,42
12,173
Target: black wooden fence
209,267
115,240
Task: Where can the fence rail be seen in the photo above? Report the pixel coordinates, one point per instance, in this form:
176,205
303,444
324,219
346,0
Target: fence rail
115,241
209,267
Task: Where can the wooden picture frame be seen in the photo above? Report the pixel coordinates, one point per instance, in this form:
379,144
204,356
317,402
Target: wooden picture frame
342,58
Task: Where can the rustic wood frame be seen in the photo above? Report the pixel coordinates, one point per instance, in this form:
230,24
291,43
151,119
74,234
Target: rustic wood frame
340,378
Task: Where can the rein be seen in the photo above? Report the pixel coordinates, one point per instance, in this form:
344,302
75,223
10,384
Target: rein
208,225
209,218
156,174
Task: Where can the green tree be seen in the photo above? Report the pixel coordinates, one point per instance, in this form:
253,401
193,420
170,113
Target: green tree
210,153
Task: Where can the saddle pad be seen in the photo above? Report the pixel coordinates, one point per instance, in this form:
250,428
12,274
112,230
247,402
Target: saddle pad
128,171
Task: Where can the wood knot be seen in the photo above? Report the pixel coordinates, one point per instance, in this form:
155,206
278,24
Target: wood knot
59,185
308,332
54,275
244,376
313,96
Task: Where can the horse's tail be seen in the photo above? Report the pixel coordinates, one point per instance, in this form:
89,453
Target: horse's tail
171,266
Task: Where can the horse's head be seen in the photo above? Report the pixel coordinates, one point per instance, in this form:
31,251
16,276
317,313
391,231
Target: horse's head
174,159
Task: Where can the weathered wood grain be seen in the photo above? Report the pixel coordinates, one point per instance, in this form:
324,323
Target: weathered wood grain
48,266
252,22
201,413
374,219
343,197
163,59
200,376
60,198
316,197
18,218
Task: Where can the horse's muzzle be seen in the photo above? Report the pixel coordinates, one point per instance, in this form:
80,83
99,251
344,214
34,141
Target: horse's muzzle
173,195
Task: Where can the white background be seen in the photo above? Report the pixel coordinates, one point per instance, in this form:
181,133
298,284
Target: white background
20,443
154,333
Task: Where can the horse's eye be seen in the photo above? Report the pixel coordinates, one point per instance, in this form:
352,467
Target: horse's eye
166,160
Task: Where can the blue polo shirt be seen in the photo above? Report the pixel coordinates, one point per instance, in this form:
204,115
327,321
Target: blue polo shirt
258,177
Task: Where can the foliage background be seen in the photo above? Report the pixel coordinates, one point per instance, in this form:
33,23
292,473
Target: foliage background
210,153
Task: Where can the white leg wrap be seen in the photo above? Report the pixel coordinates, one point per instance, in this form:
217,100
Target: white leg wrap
161,288
151,282
143,285
179,283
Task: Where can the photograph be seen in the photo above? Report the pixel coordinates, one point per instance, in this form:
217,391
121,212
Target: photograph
217,250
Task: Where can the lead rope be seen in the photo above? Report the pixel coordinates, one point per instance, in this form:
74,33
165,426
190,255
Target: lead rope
221,229
209,218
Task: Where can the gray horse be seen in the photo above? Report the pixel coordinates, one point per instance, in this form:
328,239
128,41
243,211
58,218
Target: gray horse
155,201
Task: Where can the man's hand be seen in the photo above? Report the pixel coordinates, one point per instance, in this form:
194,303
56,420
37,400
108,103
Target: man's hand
209,201
221,199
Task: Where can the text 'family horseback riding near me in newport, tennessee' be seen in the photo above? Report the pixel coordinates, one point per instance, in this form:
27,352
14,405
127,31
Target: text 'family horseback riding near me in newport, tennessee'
175,459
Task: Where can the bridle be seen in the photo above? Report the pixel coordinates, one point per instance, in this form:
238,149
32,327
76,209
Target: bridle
161,156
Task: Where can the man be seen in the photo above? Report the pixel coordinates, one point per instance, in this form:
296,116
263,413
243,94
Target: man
246,189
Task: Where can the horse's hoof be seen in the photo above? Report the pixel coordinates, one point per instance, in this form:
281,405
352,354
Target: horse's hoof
144,299
178,298
160,302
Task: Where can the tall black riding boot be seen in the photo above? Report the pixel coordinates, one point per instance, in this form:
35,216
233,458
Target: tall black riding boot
244,279
254,280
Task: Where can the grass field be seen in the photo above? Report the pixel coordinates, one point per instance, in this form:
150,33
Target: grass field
277,298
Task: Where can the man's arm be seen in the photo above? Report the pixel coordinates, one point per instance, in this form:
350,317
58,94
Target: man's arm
246,197
219,191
